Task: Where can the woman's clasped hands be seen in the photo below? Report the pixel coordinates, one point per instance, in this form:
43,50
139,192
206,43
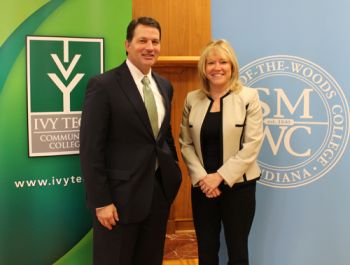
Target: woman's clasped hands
210,185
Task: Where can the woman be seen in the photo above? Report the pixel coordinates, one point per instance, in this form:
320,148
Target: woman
221,135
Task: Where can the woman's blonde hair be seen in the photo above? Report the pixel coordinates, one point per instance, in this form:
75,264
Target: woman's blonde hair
223,48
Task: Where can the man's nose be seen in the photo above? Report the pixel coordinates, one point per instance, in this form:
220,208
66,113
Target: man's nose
149,45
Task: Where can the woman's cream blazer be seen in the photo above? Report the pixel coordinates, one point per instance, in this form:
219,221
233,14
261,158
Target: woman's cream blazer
242,135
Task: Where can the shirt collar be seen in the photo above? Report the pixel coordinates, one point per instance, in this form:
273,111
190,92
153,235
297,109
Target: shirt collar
136,73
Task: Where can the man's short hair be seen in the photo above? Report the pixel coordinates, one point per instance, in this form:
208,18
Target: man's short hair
147,21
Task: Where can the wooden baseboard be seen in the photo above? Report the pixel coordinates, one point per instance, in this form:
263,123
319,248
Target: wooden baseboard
180,226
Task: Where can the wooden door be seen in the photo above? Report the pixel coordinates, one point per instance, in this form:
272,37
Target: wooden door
186,29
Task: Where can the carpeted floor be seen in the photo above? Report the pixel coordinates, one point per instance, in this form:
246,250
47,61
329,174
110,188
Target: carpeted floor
182,246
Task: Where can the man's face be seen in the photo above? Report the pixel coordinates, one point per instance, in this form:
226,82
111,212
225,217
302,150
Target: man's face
144,48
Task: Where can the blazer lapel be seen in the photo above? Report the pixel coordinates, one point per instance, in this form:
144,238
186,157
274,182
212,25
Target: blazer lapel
198,115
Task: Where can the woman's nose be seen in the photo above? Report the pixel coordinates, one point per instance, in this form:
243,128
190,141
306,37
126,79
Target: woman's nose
217,65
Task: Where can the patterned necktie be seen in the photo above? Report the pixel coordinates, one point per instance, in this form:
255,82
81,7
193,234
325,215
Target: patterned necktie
150,104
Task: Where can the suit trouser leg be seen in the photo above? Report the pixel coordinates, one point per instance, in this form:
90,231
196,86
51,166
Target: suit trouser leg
207,222
150,243
134,244
113,247
238,209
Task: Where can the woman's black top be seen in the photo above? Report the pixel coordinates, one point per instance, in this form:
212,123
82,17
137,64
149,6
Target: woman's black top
211,141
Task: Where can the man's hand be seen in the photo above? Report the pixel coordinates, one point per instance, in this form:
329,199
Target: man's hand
107,216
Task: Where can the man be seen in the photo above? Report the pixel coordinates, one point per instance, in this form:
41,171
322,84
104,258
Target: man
127,153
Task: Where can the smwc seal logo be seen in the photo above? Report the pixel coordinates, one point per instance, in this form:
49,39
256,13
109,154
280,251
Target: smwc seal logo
305,119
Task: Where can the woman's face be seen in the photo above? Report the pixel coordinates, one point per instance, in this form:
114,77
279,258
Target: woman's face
218,70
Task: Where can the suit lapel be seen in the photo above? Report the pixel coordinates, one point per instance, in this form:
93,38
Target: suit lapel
163,91
127,84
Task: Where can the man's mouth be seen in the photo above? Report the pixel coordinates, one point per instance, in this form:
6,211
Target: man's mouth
148,56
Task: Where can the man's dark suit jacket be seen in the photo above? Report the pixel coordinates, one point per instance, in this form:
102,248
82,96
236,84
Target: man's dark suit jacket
117,147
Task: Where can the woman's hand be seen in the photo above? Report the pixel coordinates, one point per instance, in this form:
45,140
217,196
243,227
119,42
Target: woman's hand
210,183
216,192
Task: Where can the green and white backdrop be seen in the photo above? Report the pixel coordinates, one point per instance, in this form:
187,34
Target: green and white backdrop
48,51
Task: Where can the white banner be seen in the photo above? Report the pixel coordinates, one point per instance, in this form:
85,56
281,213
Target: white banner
296,54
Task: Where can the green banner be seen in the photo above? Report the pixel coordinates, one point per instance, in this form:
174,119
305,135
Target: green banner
48,51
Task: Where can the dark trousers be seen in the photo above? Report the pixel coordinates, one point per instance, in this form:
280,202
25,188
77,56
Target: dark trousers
134,244
235,209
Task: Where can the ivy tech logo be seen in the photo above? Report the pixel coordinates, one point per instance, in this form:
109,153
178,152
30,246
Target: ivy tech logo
306,119
58,69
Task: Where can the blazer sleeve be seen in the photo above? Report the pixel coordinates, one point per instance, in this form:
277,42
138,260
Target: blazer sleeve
93,138
193,163
236,166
